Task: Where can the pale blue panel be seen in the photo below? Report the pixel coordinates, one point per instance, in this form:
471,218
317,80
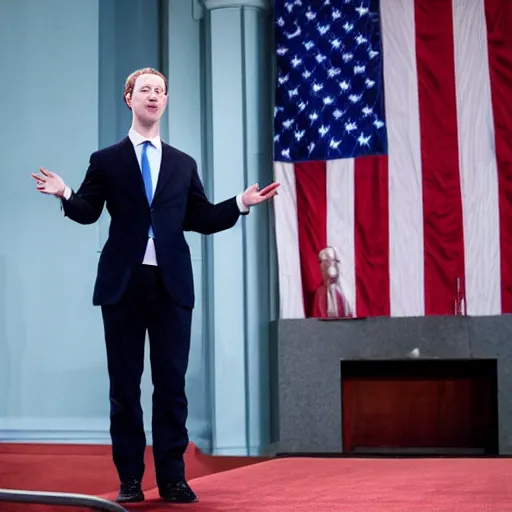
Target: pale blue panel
258,169
185,120
227,266
270,81
52,362
130,38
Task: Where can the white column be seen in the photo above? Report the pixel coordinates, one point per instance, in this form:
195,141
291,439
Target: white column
185,72
238,154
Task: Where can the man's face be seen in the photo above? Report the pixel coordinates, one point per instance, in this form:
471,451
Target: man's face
148,100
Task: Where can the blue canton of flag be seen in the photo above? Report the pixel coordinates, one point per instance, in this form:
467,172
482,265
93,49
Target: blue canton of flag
329,93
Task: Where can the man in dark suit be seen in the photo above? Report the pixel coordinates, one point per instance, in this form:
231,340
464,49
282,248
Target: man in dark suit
144,282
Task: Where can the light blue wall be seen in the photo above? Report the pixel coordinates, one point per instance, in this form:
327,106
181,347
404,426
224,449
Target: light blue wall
185,117
53,380
53,377
238,154
129,38
219,112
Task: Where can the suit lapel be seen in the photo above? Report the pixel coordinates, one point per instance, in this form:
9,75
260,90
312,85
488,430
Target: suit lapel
166,170
132,169
134,174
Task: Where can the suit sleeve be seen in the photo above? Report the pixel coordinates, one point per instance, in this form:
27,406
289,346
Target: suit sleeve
86,204
205,217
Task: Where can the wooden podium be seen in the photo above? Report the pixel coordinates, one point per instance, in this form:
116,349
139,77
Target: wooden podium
351,386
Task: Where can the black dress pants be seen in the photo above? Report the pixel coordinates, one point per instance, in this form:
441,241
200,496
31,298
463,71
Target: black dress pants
147,307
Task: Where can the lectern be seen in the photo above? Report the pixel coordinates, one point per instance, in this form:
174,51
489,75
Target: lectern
355,386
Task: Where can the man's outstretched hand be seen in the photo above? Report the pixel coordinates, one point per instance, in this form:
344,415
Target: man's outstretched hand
49,183
253,195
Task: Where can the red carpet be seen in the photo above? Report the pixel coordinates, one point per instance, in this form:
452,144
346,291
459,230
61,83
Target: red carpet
86,469
285,485
354,485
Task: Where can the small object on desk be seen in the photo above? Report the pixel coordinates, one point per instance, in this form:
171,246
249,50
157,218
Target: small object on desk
414,353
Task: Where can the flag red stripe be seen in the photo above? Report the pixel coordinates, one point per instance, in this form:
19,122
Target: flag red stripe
498,15
371,239
311,188
442,203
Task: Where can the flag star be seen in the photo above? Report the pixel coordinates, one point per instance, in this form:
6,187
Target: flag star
328,86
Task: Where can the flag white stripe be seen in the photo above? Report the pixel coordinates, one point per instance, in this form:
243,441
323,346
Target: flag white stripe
478,168
291,302
341,223
406,253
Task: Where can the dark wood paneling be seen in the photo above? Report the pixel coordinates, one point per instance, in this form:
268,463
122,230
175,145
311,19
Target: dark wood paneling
395,406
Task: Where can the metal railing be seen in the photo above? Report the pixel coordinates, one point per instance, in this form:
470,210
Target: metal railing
60,499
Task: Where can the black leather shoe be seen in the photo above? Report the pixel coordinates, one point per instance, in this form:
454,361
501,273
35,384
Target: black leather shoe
130,492
177,492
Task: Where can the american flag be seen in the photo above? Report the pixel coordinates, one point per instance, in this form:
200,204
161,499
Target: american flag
393,144
329,94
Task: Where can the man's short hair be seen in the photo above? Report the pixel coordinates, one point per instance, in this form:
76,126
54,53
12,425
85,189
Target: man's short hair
130,81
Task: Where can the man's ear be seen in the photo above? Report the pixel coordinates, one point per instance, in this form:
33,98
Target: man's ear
128,99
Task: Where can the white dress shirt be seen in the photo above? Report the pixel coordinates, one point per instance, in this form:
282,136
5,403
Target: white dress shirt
154,153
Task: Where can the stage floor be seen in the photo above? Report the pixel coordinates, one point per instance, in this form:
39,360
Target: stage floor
284,485
355,485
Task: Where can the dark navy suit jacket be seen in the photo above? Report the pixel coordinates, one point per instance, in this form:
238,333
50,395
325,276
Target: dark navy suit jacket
179,204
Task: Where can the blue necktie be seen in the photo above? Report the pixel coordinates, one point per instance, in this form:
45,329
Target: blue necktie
146,176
